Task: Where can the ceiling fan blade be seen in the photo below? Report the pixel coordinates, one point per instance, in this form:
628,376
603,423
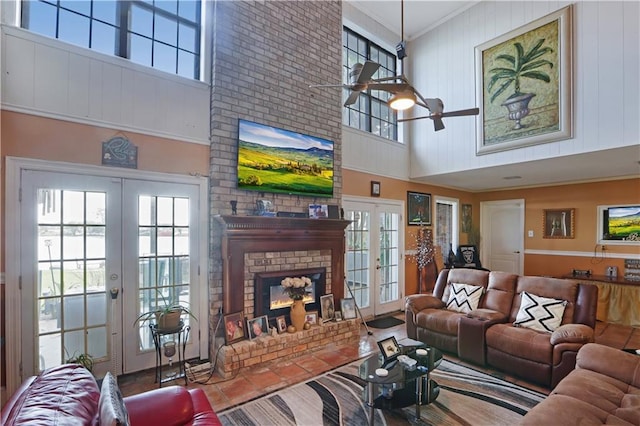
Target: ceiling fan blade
353,97
437,123
462,112
368,70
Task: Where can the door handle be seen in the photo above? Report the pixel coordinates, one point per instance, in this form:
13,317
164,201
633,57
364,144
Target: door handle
114,292
517,252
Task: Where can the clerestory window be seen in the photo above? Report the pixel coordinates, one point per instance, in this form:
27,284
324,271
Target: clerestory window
370,112
161,34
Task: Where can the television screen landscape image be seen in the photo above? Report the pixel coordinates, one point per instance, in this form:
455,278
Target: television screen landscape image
281,161
621,223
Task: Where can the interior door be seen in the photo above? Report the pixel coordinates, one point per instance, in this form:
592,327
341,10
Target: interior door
502,231
375,272
95,253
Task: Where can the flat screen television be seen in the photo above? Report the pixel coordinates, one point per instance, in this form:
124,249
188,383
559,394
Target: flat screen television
281,161
619,223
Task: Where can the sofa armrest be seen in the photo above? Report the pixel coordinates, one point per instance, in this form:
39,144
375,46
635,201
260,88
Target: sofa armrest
418,302
610,362
572,333
171,405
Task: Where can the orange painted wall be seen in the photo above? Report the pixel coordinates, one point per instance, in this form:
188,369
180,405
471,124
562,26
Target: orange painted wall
30,136
359,184
584,198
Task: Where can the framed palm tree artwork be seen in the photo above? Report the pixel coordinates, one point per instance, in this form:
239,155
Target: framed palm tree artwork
523,85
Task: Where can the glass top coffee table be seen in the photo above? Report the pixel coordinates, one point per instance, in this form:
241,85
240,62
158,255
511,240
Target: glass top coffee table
402,386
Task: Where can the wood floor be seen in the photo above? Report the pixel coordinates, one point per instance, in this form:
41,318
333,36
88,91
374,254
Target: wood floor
267,378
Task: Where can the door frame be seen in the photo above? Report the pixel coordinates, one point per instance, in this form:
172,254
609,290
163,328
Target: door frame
13,246
485,228
370,311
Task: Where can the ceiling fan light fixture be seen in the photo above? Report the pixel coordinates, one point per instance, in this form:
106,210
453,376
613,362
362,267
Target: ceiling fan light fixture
402,100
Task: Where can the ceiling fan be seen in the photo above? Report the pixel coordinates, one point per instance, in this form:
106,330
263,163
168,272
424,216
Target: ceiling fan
404,94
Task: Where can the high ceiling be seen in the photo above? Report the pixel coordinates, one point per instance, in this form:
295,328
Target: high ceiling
421,16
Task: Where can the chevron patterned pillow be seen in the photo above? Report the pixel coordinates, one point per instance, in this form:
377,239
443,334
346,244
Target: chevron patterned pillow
539,313
463,297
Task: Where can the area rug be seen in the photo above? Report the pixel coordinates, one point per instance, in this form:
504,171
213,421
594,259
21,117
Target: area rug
467,397
385,322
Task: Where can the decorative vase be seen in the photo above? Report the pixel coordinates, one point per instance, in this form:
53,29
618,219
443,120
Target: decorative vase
298,314
518,107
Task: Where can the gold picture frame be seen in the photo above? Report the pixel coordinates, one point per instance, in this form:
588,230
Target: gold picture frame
558,223
524,85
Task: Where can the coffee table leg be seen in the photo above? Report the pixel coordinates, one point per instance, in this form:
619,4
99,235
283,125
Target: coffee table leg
419,391
370,402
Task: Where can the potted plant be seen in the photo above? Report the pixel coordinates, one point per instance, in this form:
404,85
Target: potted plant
167,316
523,65
84,360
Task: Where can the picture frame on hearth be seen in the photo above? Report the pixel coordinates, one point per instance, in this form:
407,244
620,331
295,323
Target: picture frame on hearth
311,317
348,307
327,308
281,324
390,348
234,328
258,327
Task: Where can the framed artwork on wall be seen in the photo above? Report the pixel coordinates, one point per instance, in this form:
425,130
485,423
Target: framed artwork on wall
558,223
375,188
418,208
466,218
523,85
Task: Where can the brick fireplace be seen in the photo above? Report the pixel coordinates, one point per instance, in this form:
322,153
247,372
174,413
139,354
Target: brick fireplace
280,244
255,247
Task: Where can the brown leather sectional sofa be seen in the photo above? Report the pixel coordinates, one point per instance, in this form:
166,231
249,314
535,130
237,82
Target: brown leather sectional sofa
603,389
487,335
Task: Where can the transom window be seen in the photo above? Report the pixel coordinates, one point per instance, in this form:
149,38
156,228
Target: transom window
163,34
370,112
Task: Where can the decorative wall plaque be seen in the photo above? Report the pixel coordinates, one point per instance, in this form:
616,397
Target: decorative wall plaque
119,152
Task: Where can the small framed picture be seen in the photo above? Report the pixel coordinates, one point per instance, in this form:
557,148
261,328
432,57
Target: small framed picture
318,211
311,317
338,316
258,327
375,188
558,223
327,309
281,324
234,328
389,348
348,306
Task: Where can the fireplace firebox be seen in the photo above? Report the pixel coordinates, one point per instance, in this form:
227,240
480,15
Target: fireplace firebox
270,299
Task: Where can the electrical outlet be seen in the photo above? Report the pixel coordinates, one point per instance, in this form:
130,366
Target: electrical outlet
603,247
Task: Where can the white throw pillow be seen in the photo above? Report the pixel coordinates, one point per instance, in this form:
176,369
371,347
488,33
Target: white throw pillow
111,405
464,297
539,313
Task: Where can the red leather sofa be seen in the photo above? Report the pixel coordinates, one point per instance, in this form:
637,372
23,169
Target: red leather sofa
69,395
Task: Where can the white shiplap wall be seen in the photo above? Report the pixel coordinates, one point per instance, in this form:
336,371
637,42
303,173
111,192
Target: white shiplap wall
606,82
54,79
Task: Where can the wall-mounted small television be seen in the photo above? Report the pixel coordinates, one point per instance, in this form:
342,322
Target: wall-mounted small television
280,161
619,224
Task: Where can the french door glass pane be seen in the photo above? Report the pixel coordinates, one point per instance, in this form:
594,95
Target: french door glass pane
389,254
71,247
163,257
358,256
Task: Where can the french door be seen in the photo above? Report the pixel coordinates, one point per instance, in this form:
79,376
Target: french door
95,252
374,255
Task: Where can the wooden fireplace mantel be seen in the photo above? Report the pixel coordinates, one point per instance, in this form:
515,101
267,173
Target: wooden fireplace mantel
246,234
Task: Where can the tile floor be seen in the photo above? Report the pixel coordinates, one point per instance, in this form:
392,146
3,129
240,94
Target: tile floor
254,382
